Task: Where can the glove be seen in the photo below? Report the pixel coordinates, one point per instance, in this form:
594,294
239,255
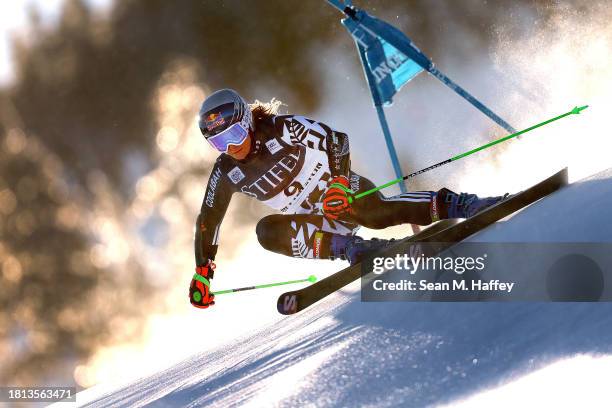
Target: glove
337,198
199,289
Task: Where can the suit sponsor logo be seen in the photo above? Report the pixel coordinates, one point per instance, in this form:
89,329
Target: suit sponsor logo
273,146
354,182
338,151
236,175
317,245
213,183
435,215
276,178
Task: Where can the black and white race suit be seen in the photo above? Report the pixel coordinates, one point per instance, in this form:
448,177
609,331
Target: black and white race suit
291,160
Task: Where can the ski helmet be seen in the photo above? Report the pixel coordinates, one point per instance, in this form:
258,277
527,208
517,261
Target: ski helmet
225,119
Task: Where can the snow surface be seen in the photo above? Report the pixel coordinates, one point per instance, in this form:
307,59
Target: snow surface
342,352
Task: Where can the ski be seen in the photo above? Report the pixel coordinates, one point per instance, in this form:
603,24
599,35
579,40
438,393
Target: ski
295,301
445,233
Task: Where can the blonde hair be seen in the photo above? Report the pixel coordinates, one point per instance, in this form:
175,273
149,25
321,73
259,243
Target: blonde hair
263,110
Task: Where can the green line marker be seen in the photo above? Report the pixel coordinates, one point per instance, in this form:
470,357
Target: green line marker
574,111
311,278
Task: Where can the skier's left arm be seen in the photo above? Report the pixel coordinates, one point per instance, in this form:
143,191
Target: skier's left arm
317,135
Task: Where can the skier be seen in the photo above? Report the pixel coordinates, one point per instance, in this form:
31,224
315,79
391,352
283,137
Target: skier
300,167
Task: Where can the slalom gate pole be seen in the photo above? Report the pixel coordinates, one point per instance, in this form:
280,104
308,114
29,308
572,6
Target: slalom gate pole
311,278
574,111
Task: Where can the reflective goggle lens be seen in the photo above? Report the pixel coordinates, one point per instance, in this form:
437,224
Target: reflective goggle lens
233,135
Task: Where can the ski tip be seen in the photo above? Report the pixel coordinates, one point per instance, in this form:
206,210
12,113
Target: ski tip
312,278
287,303
564,174
577,109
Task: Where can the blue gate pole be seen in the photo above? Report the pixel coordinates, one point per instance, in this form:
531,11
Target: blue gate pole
390,146
466,95
382,118
385,126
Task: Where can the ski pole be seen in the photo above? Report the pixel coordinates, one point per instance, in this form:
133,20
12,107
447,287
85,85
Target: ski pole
311,278
574,111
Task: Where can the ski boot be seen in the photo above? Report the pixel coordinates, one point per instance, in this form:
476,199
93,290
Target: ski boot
467,205
358,248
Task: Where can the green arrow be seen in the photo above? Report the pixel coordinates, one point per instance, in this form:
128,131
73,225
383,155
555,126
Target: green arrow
311,278
574,111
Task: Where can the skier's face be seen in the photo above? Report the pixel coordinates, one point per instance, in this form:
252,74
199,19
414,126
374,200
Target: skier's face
240,152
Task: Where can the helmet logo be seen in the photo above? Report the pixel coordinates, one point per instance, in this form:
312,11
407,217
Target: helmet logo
213,121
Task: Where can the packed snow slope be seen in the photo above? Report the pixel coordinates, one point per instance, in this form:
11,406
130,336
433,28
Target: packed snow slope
342,352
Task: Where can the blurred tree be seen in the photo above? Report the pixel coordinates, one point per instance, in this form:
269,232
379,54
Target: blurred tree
55,303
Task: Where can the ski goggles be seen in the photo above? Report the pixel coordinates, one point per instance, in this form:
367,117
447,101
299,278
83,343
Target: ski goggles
234,135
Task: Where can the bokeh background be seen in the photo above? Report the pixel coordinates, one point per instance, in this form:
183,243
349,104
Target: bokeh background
103,169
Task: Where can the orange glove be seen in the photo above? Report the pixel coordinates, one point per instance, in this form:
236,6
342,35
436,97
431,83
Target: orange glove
199,289
337,198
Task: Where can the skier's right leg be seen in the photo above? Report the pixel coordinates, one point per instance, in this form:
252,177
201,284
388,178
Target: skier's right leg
314,237
305,235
